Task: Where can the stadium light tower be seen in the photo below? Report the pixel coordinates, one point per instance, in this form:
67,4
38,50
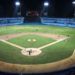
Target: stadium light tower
46,4
74,7
17,3
45,8
17,8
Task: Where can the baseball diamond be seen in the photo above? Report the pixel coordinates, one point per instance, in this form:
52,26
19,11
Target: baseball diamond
24,47
37,37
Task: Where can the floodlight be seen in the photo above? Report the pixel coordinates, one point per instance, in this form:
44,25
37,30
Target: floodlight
74,7
17,3
46,4
73,2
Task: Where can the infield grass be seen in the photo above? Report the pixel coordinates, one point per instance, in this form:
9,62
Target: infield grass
23,41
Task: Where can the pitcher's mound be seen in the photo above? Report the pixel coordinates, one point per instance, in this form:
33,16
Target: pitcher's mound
31,51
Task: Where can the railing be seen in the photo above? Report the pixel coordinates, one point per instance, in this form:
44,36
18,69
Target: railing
59,21
11,21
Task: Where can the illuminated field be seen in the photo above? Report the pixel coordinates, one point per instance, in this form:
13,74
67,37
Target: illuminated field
56,52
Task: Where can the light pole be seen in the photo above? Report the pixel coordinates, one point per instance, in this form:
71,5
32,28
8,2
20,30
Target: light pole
74,7
45,8
18,8
46,4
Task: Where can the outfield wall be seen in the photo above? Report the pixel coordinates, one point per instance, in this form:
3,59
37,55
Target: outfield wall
11,21
69,22
58,21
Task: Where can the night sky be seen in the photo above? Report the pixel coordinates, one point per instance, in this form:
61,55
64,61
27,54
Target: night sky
57,8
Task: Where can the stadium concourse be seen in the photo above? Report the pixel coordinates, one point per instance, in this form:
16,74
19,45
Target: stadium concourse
44,21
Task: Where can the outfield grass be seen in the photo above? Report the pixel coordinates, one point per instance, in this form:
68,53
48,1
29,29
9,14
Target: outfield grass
53,53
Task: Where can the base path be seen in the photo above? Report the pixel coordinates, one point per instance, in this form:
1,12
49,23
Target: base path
20,47
52,43
12,44
38,68
5,38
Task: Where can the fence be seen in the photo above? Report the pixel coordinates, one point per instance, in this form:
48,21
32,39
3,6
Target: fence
59,21
44,20
11,21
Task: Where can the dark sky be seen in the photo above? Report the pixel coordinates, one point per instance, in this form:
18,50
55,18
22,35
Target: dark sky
57,8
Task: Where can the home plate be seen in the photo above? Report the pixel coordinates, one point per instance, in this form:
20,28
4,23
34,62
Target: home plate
31,52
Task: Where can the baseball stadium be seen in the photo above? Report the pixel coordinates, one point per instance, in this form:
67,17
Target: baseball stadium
35,44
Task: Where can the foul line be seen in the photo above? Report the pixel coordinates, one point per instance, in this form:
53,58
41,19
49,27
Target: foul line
52,43
20,47
12,44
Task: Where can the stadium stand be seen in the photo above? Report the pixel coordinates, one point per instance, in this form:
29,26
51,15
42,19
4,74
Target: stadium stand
44,20
10,21
58,21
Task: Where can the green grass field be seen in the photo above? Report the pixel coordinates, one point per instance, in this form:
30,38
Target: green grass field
50,54
23,41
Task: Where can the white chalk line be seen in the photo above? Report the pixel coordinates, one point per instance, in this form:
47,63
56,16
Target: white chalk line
20,47
73,53
50,44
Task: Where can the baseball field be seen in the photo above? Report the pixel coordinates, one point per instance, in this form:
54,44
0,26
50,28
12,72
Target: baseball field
35,44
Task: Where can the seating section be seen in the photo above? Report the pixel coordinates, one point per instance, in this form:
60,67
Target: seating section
58,21
44,20
10,21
